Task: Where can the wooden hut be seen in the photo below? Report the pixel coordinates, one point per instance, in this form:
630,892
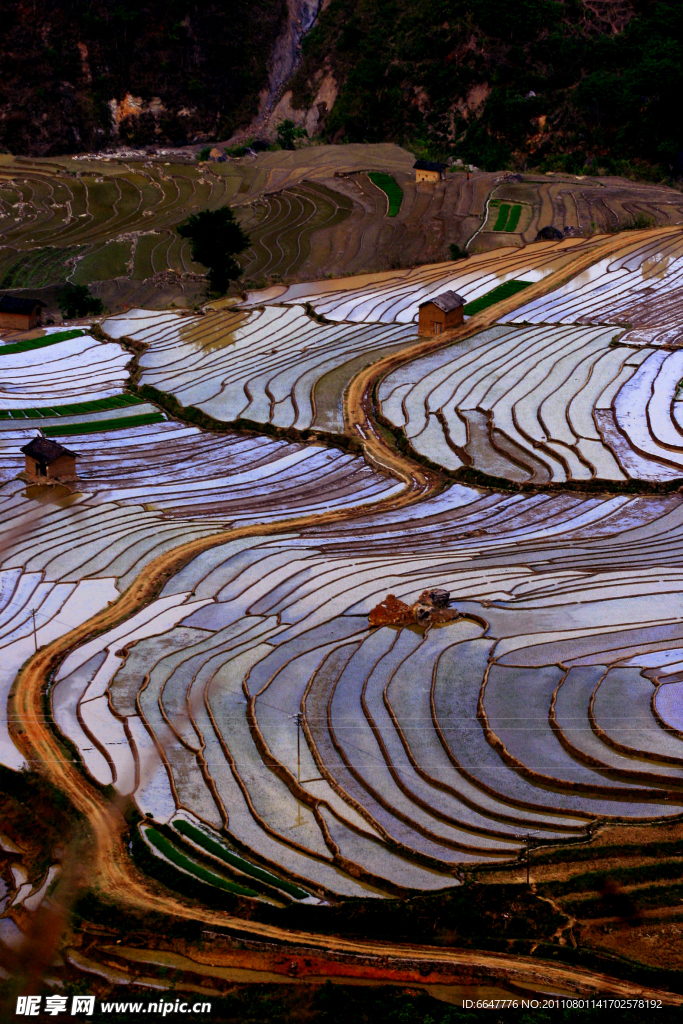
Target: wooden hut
429,170
441,313
49,460
19,314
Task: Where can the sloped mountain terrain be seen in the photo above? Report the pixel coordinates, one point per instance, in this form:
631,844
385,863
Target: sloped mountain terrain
563,84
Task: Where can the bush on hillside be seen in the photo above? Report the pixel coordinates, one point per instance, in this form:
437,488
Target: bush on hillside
76,301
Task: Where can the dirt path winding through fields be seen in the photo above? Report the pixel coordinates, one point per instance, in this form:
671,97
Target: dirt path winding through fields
112,871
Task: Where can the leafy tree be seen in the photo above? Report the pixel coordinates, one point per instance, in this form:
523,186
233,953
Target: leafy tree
75,301
203,153
216,239
287,132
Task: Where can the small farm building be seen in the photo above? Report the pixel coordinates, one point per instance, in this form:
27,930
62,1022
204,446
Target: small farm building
217,155
49,460
428,170
441,313
19,314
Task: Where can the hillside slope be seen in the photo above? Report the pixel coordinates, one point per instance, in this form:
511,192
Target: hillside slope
78,75
593,81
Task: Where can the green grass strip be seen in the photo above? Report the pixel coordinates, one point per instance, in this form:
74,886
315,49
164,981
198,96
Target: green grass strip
96,425
29,343
180,860
502,217
502,291
391,188
75,409
513,219
211,846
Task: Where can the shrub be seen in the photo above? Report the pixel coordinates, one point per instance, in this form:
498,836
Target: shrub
75,301
288,132
203,153
457,253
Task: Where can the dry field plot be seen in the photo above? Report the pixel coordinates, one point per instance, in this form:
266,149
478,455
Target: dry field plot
112,223
573,205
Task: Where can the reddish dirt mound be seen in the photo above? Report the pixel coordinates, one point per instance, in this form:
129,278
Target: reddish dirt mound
430,607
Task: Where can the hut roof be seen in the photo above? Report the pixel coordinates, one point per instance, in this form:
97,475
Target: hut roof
11,304
45,450
446,301
428,165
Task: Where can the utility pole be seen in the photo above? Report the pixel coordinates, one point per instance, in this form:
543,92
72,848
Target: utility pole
298,747
526,838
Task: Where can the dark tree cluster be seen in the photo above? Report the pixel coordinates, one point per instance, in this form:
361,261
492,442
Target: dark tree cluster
539,81
216,239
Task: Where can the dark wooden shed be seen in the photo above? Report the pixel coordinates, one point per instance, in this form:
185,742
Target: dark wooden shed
49,460
19,314
441,313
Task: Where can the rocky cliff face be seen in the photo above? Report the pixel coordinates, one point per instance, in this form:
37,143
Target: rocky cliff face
77,74
275,98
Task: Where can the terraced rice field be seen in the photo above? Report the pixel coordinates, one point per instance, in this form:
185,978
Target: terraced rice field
56,373
394,296
275,365
145,484
112,223
572,205
248,707
311,213
418,754
558,400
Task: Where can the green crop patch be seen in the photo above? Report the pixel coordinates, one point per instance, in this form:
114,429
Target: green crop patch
502,217
178,858
74,409
508,217
97,425
218,850
31,343
502,291
391,189
513,219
